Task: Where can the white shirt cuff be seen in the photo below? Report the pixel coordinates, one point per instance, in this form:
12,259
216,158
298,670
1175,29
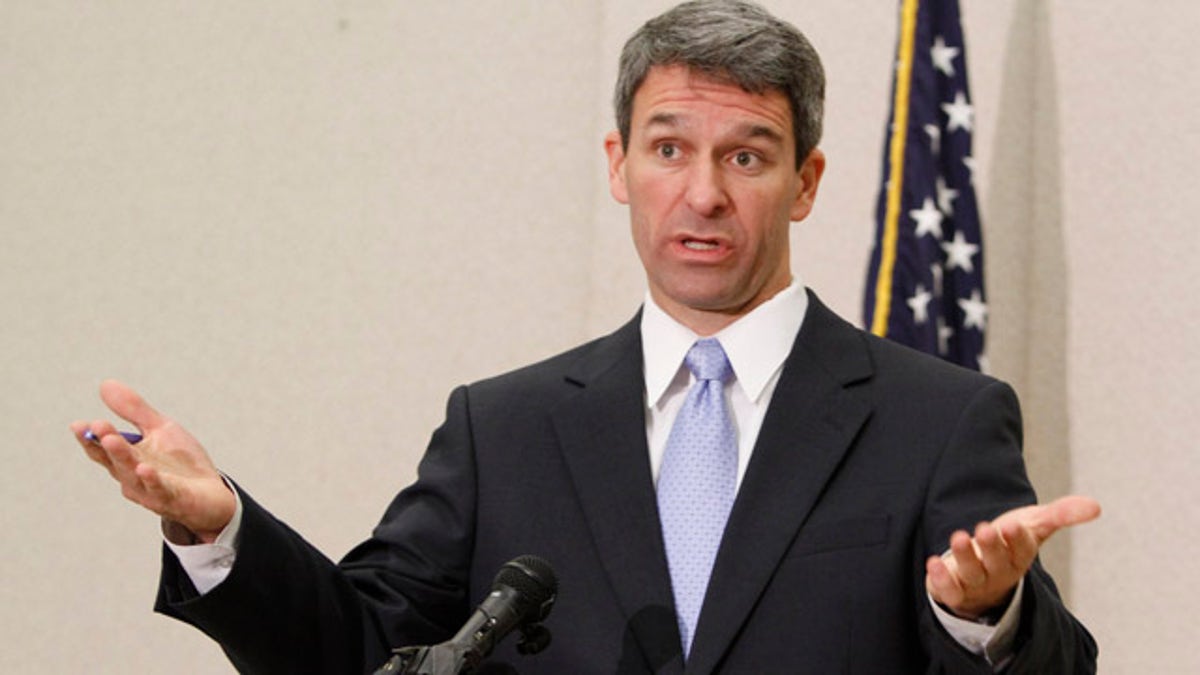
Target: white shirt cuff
207,565
995,642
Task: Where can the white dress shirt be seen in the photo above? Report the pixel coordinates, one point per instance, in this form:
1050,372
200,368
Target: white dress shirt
756,344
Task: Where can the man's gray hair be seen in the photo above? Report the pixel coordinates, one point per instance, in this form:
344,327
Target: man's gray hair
731,41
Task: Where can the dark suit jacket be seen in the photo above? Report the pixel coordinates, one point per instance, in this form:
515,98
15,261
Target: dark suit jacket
869,457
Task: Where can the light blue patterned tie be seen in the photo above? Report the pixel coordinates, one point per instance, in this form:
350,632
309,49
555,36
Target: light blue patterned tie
697,482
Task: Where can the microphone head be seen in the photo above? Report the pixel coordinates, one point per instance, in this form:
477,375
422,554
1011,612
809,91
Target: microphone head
534,580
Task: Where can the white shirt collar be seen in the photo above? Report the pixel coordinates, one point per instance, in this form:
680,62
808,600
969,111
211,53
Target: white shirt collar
757,344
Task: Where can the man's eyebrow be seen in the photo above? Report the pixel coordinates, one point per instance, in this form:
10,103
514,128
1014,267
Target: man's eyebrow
761,131
663,119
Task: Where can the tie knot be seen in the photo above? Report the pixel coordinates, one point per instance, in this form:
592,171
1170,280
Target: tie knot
707,361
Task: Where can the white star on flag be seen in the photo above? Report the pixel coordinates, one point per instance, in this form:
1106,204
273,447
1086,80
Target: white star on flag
959,252
943,56
945,197
975,311
935,138
929,219
919,304
959,113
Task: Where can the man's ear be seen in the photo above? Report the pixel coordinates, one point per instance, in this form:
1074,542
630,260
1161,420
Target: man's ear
810,177
616,167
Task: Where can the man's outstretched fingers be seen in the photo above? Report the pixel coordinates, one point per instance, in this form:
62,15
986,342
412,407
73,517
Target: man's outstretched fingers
941,584
121,455
1022,544
969,568
127,403
92,450
993,550
1044,520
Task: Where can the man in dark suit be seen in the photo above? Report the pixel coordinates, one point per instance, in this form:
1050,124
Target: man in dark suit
855,465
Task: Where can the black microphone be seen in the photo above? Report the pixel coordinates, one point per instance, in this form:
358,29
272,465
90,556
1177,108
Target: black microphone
521,597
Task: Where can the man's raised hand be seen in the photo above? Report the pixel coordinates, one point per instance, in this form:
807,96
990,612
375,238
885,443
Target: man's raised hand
167,472
980,573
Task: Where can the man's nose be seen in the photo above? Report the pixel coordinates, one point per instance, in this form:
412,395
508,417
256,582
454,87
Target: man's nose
706,193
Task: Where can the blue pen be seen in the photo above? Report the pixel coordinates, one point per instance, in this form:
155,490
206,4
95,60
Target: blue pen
130,437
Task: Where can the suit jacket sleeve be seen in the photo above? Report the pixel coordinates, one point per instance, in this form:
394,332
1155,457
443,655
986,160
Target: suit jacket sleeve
286,608
980,475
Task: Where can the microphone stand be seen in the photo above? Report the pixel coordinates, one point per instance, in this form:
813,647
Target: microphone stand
521,598
442,659
453,658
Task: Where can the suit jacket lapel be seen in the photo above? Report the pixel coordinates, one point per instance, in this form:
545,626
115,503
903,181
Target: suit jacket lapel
808,428
602,434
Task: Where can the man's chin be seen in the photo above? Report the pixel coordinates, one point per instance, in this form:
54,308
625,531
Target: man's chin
705,305
711,303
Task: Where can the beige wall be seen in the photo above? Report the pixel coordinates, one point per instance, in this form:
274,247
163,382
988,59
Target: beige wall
295,226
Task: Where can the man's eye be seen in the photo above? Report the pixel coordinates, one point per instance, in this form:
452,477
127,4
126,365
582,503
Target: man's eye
668,151
745,159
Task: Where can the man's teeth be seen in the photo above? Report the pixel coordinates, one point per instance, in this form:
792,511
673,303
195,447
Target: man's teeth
699,245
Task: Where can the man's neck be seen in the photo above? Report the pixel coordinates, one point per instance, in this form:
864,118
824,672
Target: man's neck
705,323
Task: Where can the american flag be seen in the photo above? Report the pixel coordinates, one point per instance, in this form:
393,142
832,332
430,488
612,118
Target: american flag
925,280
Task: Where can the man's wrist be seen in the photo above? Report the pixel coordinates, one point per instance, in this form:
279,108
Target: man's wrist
178,534
987,617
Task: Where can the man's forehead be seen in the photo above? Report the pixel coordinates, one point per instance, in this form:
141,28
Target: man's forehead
677,96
